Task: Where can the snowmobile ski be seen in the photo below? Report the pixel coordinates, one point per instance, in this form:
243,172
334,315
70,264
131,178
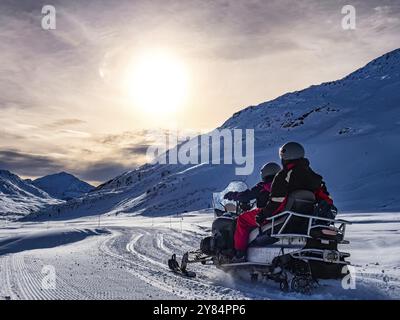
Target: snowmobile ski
174,266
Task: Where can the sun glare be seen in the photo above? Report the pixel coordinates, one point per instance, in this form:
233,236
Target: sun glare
157,83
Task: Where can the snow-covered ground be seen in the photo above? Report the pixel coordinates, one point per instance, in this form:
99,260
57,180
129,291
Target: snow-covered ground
125,258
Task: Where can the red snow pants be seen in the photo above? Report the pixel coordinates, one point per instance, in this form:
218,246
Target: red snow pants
245,223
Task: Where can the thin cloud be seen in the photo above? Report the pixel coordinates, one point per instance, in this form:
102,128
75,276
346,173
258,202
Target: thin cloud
137,149
34,165
27,164
102,171
11,136
64,122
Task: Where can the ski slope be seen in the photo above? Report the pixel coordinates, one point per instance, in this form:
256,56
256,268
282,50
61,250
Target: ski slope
125,258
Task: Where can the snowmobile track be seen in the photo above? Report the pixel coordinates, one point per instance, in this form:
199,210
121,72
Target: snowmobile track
156,272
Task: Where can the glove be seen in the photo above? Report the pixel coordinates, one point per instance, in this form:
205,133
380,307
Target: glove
261,216
231,195
334,211
325,210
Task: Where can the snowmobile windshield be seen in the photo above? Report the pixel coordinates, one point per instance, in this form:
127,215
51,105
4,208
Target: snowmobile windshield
218,197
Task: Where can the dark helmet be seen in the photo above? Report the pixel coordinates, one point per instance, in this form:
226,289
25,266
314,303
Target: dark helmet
270,169
291,151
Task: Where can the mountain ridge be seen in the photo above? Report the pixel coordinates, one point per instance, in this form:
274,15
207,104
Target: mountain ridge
19,197
63,185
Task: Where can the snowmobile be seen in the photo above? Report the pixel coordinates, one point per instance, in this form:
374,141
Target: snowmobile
295,248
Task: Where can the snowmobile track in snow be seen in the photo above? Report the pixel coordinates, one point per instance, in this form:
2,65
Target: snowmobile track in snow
24,280
125,247
130,262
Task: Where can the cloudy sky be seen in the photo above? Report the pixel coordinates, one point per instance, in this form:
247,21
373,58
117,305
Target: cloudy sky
67,96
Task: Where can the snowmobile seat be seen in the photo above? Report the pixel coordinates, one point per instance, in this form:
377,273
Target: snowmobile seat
262,237
300,201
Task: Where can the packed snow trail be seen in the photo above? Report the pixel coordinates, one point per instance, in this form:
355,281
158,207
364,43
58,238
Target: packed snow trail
82,272
126,258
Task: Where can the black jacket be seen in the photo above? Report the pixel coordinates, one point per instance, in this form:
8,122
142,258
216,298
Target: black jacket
296,175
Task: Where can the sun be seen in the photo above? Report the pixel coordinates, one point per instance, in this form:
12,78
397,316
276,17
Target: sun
157,82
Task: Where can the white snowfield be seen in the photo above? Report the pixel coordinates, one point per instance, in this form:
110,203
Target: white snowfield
126,258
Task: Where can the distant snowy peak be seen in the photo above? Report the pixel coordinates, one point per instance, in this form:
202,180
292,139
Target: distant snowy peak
63,186
19,197
12,185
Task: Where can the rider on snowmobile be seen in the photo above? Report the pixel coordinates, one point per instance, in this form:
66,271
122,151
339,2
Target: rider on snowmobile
261,192
295,175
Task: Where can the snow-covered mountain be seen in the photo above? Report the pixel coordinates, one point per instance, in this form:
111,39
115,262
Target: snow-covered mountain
349,127
63,186
19,197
